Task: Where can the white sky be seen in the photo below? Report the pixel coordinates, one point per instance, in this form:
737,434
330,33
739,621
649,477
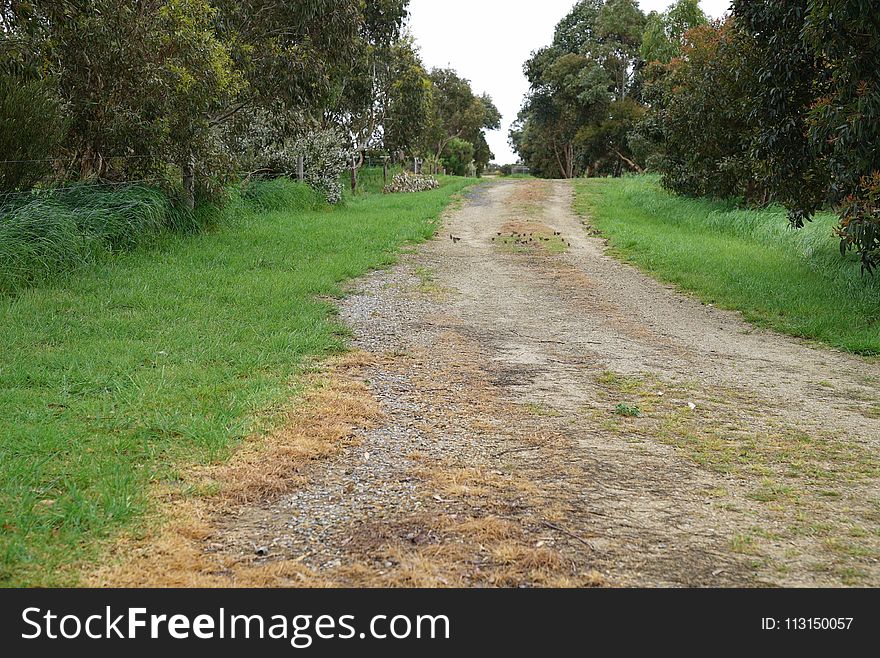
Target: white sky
487,42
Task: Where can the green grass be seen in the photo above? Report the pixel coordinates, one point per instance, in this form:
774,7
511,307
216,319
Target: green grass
168,356
748,260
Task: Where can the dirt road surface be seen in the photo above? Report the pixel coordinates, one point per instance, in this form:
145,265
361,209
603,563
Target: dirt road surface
547,416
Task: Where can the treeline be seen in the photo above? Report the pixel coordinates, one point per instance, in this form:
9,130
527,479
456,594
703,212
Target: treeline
192,94
778,102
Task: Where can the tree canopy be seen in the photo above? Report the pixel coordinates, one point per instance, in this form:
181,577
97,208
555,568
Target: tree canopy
194,90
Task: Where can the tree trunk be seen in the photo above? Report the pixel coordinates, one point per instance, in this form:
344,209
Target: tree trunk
632,164
563,167
189,182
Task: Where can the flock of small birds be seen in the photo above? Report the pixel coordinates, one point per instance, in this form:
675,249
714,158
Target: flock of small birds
531,238
522,238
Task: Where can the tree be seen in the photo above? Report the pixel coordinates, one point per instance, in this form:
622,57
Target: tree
459,114
620,25
410,103
787,73
139,81
365,87
816,111
31,130
578,109
704,118
457,156
844,123
665,32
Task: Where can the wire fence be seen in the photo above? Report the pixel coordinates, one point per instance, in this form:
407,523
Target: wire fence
49,187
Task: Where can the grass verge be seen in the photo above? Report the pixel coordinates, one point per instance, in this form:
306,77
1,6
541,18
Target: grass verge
747,260
167,357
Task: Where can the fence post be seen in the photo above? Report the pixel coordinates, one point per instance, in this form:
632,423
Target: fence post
385,171
354,175
300,168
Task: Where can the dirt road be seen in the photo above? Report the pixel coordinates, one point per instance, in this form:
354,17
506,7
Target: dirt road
548,416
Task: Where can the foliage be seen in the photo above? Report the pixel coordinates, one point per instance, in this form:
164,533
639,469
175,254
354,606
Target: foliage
704,117
47,233
148,85
410,104
362,97
818,109
457,156
135,80
280,194
664,34
325,159
627,411
460,114
787,74
845,122
31,129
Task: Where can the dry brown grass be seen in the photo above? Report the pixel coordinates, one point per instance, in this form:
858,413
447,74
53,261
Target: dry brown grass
172,553
453,481
531,192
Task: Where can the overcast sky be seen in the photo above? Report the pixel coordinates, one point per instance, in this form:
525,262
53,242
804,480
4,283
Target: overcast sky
487,41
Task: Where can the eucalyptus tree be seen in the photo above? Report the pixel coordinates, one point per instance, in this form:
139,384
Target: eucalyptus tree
578,110
460,114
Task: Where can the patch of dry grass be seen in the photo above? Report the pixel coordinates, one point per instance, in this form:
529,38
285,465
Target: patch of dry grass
172,553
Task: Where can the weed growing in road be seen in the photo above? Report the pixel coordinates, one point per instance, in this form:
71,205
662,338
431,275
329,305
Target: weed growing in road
628,411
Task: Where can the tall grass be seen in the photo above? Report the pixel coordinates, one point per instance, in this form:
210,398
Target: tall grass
52,232
47,232
748,260
116,378
271,195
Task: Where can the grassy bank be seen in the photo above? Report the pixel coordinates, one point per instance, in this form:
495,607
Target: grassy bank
167,356
792,281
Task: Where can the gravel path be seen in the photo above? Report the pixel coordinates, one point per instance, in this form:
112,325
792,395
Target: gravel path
555,418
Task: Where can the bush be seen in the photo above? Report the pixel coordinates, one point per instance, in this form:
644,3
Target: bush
408,183
30,130
267,141
325,159
705,124
456,157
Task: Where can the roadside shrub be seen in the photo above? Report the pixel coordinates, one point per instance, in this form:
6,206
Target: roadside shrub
408,183
30,131
325,159
705,121
457,156
269,142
